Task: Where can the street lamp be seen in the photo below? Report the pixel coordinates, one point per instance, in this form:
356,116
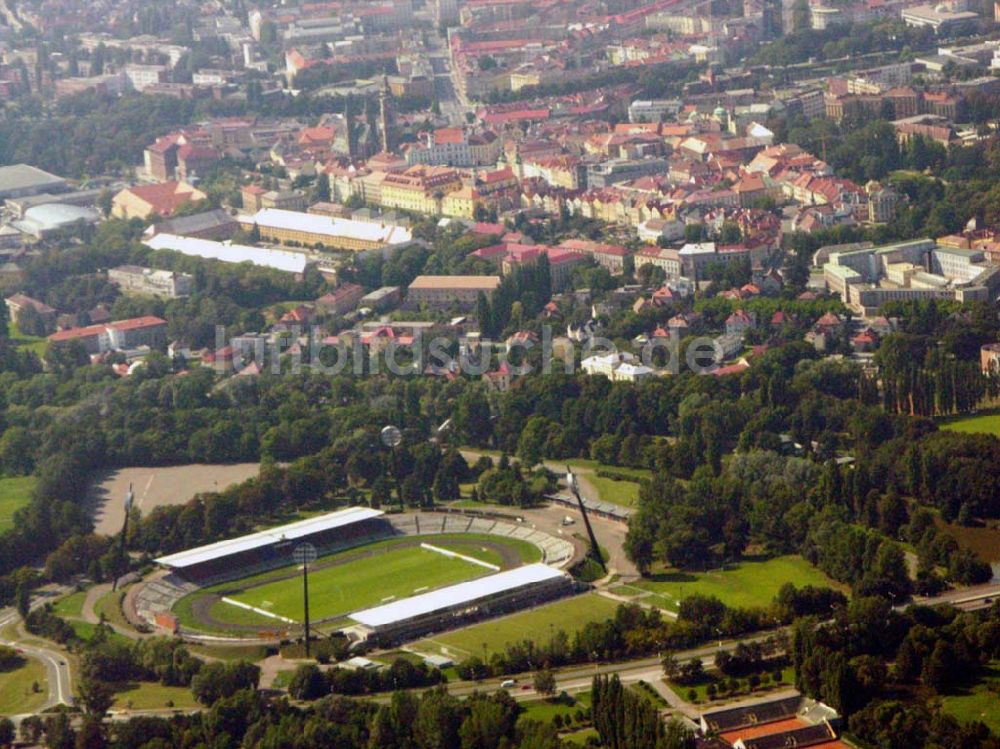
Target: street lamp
392,438
305,554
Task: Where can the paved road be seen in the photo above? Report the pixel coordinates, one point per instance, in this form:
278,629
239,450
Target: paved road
58,676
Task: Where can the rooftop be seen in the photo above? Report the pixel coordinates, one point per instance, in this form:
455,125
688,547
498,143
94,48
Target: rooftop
456,595
276,218
290,532
283,260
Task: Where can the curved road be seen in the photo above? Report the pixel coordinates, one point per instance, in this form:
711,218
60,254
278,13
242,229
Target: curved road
58,676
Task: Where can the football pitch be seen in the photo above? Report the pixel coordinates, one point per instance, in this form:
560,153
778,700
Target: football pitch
361,583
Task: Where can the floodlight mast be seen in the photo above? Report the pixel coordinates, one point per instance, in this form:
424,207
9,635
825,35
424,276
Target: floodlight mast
305,554
129,501
574,487
391,437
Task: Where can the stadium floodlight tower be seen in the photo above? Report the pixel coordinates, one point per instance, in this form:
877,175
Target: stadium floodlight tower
574,486
129,501
393,438
304,555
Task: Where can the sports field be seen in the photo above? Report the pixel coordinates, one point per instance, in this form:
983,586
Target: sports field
365,582
747,583
567,614
351,580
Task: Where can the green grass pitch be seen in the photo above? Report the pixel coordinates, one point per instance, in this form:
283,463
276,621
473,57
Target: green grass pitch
362,583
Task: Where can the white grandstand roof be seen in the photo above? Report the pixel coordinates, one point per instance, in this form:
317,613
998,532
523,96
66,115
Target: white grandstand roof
455,595
283,260
369,231
290,532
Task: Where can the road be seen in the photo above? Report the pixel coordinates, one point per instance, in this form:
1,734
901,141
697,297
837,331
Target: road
444,88
58,676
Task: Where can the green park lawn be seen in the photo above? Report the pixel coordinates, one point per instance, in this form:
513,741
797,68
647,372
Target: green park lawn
701,688
27,342
545,710
15,493
979,701
752,582
145,695
983,423
568,614
617,492
362,583
17,692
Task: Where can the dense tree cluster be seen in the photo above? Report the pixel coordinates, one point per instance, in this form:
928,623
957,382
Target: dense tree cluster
869,650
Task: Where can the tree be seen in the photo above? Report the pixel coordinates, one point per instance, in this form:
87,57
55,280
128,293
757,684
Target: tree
22,598
545,682
96,696
59,733
7,732
216,681
308,683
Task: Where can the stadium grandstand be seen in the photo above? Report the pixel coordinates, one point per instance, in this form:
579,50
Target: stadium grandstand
448,607
273,547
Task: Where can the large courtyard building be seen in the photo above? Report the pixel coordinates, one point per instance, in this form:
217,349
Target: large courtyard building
921,269
440,609
325,232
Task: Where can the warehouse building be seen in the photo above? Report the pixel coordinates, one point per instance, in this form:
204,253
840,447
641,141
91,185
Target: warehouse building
237,557
226,252
448,607
21,180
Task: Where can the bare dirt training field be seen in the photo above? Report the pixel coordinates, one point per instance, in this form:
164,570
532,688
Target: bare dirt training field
159,486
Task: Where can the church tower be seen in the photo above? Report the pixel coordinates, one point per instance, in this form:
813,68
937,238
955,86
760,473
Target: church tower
385,115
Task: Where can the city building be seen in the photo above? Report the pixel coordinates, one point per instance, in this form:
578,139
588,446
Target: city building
326,232
456,146
867,278
939,18
419,189
17,303
162,283
341,300
442,292
117,336
143,201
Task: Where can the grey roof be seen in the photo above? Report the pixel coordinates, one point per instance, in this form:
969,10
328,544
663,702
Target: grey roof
22,176
197,222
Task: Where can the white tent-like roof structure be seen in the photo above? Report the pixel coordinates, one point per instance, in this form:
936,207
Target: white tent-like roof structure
269,537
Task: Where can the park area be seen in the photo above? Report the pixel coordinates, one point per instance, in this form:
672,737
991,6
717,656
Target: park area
987,422
15,493
23,688
538,624
978,702
353,580
751,582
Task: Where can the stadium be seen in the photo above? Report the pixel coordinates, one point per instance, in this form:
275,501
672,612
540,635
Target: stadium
377,578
